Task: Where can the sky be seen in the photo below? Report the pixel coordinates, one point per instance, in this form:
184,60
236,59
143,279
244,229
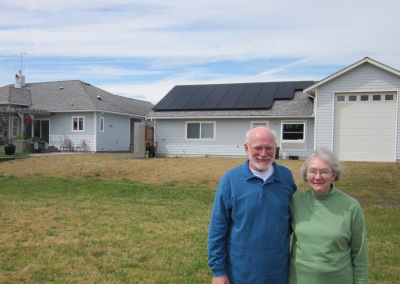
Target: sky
143,48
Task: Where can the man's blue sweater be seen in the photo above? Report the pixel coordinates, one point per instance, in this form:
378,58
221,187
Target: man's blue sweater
249,228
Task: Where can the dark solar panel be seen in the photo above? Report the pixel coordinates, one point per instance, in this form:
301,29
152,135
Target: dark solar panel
266,95
167,102
301,85
249,95
285,90
229,96
216,96
200,97
232,96
185,97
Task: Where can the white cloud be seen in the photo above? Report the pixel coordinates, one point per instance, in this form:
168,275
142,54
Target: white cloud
178,39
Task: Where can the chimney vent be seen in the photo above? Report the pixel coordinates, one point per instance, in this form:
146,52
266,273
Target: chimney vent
19,80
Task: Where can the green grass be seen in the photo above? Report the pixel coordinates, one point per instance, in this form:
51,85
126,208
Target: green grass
17,154
92,230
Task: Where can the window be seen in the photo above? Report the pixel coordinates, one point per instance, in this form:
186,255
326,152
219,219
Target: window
364,98
77,123
255,124
15,126
388,97
200,130
376,97
352,98
101,124
340,98
293,131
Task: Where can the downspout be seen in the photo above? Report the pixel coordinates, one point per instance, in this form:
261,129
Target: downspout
314,115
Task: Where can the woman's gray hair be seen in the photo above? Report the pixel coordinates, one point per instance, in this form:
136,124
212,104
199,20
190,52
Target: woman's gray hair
328,156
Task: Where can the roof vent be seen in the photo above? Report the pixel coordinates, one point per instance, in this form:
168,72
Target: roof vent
99,97
61,88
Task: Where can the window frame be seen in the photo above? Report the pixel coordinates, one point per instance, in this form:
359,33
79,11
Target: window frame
102,124
78,118
254,124
14,126
200,132
303,122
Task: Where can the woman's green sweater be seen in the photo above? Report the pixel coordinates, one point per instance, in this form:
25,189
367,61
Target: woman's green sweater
329,241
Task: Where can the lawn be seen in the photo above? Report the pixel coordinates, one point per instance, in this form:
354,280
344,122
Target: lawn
109,218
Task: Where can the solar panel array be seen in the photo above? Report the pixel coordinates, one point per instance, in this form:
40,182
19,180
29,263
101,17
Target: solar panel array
229,96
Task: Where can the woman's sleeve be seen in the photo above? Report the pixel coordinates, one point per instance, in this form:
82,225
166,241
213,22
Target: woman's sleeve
359,250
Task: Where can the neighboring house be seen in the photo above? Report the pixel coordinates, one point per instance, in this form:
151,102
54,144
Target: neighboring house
75,110
354,112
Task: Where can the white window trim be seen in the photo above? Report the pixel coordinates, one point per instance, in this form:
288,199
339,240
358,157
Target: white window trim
254,124
294,122
102,123
200,139
83,124
14,126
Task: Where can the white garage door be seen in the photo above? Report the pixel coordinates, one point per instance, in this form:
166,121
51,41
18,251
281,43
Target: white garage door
364,127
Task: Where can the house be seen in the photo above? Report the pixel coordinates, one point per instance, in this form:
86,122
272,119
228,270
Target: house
354,112
74,110
357,112
213,119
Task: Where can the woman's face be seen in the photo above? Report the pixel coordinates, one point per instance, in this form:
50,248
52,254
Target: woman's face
320,176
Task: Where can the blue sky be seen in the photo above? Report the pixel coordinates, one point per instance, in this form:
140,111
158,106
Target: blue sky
141,49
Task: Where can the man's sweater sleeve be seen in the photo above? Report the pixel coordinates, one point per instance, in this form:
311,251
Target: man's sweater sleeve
218,231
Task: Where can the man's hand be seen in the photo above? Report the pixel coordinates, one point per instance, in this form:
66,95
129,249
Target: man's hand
220,280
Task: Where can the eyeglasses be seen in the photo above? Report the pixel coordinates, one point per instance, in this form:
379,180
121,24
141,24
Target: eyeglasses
323,173
260,149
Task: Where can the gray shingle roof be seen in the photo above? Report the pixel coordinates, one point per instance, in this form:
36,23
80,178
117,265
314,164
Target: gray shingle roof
300,105
74,95
11,95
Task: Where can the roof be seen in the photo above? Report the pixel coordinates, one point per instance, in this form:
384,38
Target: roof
11,95
70,96
300,106
219,97
365,60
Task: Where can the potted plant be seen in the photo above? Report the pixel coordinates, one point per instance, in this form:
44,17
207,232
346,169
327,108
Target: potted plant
22,144
9,149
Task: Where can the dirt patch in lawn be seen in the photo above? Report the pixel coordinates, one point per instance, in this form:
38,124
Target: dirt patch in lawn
206,171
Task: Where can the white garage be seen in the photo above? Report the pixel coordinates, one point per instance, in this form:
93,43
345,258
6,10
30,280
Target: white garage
364,126
357,112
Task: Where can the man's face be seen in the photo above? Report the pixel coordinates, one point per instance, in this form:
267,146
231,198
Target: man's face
261,154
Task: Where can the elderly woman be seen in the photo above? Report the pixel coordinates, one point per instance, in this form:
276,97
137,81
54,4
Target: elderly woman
329,240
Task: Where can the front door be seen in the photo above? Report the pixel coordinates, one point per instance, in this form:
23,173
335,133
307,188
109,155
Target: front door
41,130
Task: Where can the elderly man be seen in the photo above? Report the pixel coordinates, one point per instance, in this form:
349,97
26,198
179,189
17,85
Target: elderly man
249,233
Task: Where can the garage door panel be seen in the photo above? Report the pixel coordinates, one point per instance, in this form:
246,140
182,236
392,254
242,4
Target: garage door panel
364,130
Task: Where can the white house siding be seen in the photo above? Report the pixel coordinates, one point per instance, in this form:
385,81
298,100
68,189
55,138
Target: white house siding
364,78
61,128
229,138
116,135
